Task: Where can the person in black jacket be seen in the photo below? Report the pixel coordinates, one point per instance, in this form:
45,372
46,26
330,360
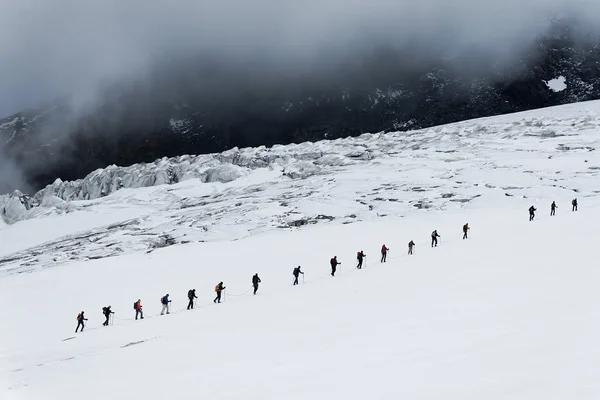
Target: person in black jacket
191,297
532,211
255,281
434,236
574,204
359,256
553,208
334,263
80,319
297,273
106,311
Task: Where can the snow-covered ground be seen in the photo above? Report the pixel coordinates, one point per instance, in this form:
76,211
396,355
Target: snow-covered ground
512,312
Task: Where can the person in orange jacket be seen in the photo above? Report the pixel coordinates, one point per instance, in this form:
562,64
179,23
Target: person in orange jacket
137,306
218,289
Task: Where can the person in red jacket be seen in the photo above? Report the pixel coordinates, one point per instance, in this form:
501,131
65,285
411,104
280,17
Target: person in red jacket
384,251
411,244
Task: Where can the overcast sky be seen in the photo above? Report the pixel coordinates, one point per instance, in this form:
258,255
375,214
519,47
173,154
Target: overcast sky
50,48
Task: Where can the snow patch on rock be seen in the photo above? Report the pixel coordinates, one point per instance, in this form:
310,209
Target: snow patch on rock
557,84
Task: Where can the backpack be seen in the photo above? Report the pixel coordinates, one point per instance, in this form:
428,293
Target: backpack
162,300
358,254
79,317
135,305
104,310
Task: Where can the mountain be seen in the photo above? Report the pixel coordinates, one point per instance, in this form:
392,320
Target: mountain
511,312
202,110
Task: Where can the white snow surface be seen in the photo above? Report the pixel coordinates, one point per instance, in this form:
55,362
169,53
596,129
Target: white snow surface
557,84
512,312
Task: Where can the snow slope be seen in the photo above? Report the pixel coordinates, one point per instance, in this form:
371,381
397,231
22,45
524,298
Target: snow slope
512,312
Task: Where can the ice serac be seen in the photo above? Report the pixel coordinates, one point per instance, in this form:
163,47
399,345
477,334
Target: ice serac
558,127
16,206
303,160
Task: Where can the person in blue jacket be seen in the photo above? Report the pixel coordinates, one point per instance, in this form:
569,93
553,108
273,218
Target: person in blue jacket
165,303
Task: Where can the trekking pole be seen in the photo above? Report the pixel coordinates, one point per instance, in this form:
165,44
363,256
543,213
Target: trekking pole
303,278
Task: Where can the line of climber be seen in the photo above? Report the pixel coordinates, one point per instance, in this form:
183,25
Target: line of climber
360,257
219,288
553,208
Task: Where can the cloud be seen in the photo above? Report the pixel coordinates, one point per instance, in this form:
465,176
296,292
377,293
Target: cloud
74,48
11,176
51,48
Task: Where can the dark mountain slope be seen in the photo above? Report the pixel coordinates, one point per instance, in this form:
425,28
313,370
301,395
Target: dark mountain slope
204,109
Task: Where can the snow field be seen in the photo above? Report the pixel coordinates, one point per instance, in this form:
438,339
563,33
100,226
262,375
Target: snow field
511,312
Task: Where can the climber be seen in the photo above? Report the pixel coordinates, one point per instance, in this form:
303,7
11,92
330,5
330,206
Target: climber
334,263
255,281
553,208
532,211
80,319
297,273
434,236
411,244
574,204
359,256
384,251
191,297
165,304
218,289
137,306
465,230
106,311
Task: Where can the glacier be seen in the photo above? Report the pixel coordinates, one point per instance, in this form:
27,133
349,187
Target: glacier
509,313
241,192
